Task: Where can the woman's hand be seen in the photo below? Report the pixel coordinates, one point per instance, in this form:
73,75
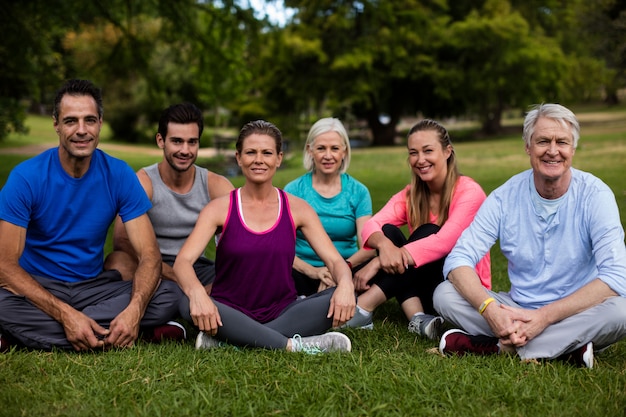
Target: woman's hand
342,303
365,274
392,259
204,312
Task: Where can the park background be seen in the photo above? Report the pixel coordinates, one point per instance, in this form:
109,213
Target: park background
379,66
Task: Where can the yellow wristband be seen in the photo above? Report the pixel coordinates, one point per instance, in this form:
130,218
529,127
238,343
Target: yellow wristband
484,305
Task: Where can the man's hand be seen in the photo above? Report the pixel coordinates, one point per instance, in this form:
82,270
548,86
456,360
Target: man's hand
124,328
83,332
508,324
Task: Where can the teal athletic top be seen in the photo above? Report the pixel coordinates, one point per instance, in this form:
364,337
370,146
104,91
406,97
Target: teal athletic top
338,214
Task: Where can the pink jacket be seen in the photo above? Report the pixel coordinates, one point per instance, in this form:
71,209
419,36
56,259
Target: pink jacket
466,200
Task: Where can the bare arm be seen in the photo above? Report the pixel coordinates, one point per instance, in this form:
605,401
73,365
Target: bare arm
218,185
392,259
343,302
80,330
202,309
362,255
124,328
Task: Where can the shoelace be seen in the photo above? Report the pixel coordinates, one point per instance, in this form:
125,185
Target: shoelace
298,346
415,326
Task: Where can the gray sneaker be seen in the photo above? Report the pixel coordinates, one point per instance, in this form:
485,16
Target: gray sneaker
206,342
426,325
359,321
327,342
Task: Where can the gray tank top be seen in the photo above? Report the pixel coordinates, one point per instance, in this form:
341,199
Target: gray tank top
174,215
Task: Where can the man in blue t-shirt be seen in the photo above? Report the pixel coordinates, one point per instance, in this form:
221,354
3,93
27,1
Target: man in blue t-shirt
55,212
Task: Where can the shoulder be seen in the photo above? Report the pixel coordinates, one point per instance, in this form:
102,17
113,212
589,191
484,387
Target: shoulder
113,166
218,207
517,185
296,184
467,184
298,206
217,185
146,181
588,180
353,183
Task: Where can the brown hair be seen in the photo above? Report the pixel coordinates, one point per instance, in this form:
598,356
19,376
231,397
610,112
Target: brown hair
260,127
418,208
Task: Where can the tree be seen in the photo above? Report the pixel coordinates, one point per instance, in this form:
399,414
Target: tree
367,57
492,61
603,25
144,53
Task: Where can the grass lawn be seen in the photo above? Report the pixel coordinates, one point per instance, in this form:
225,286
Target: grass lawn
389,372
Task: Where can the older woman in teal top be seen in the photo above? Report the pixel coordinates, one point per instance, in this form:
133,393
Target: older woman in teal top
342,203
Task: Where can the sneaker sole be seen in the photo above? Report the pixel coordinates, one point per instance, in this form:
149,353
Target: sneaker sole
345,345
588,356
434,330
208,346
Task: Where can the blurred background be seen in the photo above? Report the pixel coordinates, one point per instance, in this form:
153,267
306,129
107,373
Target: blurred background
378,65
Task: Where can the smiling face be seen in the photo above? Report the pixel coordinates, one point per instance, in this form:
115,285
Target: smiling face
551,151
78,126
328,152
428,158
259,158
180,146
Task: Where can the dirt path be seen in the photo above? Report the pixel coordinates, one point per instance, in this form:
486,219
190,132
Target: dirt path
38,148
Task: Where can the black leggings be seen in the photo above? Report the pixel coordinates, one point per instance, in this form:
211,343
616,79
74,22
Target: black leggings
414,282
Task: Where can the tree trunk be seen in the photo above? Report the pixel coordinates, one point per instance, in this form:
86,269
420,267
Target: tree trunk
492,121
382,134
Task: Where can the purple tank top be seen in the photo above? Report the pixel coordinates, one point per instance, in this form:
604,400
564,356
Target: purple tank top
253,269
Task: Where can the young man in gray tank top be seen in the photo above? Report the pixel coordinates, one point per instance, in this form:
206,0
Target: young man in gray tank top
178,190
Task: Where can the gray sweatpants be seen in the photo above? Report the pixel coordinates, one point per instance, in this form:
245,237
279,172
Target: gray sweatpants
101,298
603,324
305,316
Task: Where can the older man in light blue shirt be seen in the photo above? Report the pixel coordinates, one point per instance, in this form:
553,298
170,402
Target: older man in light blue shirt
560,230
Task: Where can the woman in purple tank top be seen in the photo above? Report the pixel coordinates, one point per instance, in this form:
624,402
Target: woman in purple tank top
253,301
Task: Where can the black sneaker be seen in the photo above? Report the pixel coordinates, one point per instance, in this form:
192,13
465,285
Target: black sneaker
458,342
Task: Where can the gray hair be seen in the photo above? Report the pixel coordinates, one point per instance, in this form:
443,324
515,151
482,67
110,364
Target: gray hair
327,124
561,114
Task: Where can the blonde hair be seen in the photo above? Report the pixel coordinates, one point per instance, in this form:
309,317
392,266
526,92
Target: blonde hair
418,208
327,124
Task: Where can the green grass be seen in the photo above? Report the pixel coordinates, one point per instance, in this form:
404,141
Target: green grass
389,373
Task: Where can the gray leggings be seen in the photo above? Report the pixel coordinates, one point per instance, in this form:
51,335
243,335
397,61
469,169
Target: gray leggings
306,317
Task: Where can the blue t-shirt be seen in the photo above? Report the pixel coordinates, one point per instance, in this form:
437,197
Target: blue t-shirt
66,218
338,214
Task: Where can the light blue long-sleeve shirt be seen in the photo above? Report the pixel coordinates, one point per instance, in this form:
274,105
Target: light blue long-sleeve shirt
548,260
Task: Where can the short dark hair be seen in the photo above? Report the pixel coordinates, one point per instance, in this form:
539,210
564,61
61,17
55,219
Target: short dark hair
76,87
260,127
183,113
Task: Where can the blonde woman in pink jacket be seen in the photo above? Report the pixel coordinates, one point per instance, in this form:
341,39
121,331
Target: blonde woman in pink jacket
436,207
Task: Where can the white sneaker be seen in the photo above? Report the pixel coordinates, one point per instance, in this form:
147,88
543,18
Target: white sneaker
206,342
327,342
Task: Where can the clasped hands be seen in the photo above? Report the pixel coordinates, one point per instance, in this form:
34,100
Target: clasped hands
515,327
